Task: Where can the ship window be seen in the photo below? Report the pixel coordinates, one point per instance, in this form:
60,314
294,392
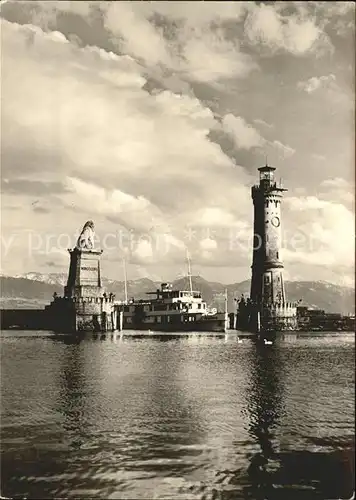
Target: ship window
199,306
129,320
168,319
159,319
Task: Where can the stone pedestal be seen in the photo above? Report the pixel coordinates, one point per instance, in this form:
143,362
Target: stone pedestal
84,278
85,305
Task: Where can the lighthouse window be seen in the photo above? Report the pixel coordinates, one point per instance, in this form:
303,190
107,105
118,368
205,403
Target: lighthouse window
277,255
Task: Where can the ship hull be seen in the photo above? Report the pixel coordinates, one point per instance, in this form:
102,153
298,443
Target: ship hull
216,325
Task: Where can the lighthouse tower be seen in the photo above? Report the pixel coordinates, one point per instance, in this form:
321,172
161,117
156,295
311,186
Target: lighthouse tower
267,285
268,296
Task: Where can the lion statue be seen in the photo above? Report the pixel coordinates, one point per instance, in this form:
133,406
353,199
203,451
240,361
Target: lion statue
86,237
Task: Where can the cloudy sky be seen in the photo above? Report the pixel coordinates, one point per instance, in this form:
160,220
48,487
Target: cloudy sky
151,118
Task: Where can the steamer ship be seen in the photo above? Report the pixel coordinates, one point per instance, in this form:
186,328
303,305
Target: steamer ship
173,310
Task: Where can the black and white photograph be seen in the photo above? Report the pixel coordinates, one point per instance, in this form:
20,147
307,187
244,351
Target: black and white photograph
177,270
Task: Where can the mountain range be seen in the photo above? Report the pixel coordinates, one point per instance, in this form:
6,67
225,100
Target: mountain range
34,289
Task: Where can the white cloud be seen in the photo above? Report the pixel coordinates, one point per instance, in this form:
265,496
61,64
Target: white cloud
265,25
100,116
192,48
108,202
339,190
139,158
208,244
207,249
344,28
213,216
139,37
319,232
243,134
49,9
314,83
318,157
247,137
129,158
305,203
209,56
259,121
143,250
284,149
336,182
194,13
318,258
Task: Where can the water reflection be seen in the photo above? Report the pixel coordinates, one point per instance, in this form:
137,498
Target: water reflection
141,418
149,437
78,471
265,406
275,473
71,402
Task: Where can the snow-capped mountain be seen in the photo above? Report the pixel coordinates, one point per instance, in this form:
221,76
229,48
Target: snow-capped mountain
49,278
317,294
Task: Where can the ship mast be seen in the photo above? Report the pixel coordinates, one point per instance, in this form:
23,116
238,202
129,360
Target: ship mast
189,274
226,311
125,279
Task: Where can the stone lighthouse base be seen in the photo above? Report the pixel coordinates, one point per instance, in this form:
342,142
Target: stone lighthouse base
279,318
266,318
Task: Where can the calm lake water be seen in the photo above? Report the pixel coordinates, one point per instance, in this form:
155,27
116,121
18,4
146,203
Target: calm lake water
199,418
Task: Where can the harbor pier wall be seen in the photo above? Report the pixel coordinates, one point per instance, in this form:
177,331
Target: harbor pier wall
23,319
